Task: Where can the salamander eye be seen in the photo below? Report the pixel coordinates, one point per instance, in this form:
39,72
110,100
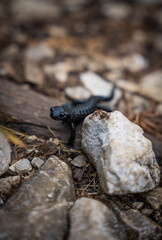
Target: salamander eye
62,114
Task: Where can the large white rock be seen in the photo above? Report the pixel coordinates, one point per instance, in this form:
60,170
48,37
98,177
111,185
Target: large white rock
121,154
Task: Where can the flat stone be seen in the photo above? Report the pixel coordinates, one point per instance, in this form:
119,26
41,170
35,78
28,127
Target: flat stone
7,184
79,161
154,198
147,211
77,93
116,11
96,84
5,154
38,52
33,73
151,85
38,209
85,224
37,162
135,62
127,85
123,157
22,166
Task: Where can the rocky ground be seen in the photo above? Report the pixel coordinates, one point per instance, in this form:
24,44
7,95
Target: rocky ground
54,52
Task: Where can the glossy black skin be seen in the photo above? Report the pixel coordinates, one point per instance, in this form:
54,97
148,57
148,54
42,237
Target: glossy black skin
75,112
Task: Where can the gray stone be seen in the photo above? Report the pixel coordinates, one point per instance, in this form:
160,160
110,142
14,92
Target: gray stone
123,157
38,52
96,84
117,11
79,161
33,73
147,211
151,85
22,166
37,162
38,209
135,223
77,92
154,198
91,219
135,62
5,154
7,184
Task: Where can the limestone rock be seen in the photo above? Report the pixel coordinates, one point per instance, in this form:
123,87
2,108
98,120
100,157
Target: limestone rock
121,154
37,162
5,154
22,166
91,219
77,92
96,84
6,185
151,85
38,209
38,52
79,161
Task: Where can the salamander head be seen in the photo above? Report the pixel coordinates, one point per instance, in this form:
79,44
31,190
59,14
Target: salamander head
58,113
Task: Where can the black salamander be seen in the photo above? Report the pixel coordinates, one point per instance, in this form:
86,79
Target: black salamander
75,112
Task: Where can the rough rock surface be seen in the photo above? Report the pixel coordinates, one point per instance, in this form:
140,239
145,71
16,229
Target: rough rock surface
5,154
85,224
38,209
6,185
21,166
121,154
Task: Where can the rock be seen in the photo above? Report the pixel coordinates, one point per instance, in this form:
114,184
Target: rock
58,72
159,109
127,85
151,85
85,224
147,211
154,198
33,10
139,104
37,162
22,166
7,184
33,73
38,209
135,62
123,157
77,92
5,154
1,201
117,96
135,223
79,161
138,205
96,84
116,11
38,52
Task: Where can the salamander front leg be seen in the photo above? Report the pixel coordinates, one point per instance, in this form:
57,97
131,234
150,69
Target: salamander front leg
72,136
105,108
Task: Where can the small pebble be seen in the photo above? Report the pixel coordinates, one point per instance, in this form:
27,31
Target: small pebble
147,211
22,166
6,185
37,162
79,161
